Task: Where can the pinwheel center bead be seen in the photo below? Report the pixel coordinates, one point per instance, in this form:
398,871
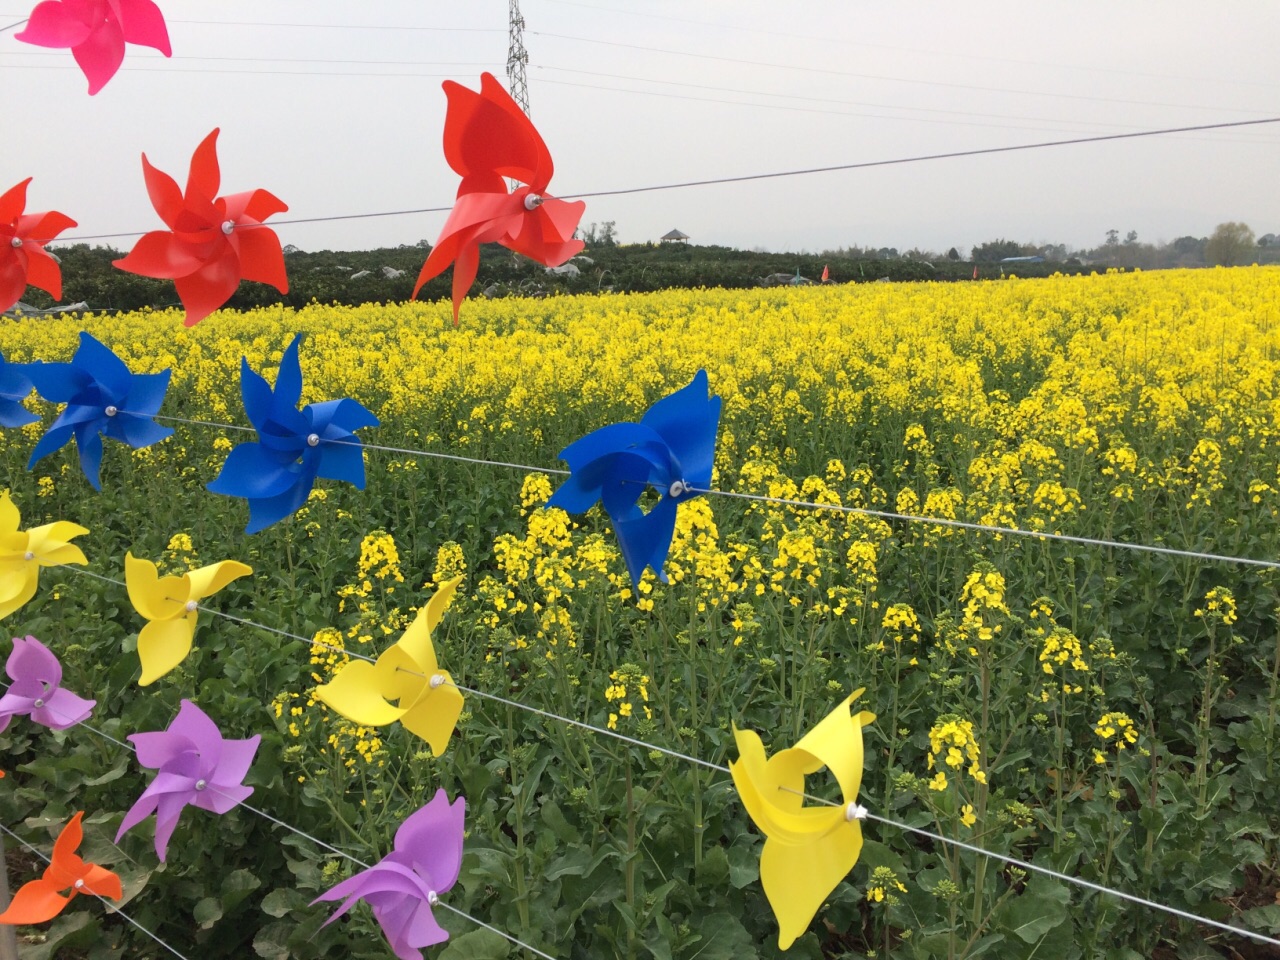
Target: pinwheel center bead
855,811
111,411
192,606
432,897
437,680
39,703
201,784
228,226
79,884
28,555
678,489
313,439
16,242
532,201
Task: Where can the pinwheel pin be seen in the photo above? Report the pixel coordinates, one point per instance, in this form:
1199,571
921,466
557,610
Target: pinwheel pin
486,138
197,767
96,31
103,398
40,900
15,387
295,447
808,849
404,885
23,260
212,242
672,448
36,691
24,552
171,606
427,702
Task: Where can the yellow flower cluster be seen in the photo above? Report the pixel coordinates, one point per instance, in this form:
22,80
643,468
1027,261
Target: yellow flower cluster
882,886
952,744
1219,606
1117,730
618,693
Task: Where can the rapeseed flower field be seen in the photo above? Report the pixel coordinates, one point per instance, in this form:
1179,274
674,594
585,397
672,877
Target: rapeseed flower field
1108,713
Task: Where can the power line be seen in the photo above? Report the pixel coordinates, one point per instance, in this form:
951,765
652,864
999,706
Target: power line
873,76
159,59
899,49
4,65
864,165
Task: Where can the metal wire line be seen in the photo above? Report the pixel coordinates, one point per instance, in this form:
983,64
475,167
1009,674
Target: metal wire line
834,168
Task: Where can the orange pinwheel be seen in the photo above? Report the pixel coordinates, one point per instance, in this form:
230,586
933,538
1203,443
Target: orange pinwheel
22,239
486,138
41,900
212,242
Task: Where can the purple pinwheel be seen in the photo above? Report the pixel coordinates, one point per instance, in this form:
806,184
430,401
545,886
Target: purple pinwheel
672,447
102,398
196,767
294,446
36,690
15,386
403,886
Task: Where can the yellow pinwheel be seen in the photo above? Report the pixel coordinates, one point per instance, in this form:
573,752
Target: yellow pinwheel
171,606
24,552
426,701
808,849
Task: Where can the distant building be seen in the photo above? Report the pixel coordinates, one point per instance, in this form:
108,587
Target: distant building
675,236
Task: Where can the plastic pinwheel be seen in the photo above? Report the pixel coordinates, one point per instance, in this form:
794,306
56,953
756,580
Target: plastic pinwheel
294,447
672,447
103,399
486,138
426,701
24,552
15,387
96,31
172,607
808,850
212,242
41,900
196,767
404,885
36,691
23,259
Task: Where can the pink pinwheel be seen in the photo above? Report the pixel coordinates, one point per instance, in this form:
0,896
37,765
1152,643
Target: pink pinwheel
22,239
212,242
96,31
403,886
196,767
36,691
486,138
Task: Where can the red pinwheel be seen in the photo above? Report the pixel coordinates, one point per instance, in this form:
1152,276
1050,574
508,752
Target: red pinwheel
22,239
96,31
43,899
212,242
487,138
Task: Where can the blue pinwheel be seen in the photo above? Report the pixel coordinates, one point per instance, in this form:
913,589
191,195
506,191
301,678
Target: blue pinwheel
294,446
103,398
672,448
15,386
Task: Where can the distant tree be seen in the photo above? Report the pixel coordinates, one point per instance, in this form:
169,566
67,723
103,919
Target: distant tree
1228,243
953,254
996,250
1113,238
1131,238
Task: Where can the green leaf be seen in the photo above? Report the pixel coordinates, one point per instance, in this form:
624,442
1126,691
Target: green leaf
476,945
236,886
714,869
1040,908
744,864
68,934
723,938
207,912
1263,918
280,902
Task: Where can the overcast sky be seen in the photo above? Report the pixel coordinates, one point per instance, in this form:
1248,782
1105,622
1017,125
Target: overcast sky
336,107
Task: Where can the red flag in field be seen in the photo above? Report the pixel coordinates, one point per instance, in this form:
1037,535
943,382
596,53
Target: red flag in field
975,271
826,274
